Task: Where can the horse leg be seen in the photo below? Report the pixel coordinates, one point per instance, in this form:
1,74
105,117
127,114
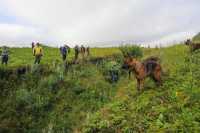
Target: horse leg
141,84
138,85
129,74
157,78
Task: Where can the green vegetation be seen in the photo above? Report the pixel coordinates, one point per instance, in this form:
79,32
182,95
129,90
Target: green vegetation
196,38
131,51
24,56
52,99
172,108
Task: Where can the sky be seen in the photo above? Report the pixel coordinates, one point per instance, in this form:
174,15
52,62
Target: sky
98,22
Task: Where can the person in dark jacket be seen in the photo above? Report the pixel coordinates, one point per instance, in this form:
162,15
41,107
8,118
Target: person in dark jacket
83,51
76,50
32,45
4,56
64,50
88,51
114,71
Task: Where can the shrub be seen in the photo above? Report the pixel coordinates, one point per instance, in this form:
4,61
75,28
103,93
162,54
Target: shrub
110,69
31,99
111,65
118,58
131,51
23,96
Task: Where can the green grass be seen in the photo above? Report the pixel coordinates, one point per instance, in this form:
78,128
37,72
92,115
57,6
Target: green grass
49,99
171,108
24,56
196,38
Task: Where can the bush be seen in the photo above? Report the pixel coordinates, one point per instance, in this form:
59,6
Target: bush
23,96
111,70
131,51
111,65
31,99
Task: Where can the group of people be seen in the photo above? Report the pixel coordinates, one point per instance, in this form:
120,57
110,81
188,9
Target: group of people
64,51
38,52
84,51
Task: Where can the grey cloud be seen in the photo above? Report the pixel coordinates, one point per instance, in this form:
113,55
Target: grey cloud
78,21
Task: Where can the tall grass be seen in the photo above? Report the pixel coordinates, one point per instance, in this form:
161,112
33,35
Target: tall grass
51,99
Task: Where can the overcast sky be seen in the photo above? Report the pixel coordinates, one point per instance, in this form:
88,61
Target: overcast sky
90,21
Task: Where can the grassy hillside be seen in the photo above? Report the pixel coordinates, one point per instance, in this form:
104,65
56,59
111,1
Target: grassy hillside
196,38
174,107
24,56
51,99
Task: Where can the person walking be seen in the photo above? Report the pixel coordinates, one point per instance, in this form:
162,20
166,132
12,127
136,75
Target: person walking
76,50
114,68
64,50
32,45
88,51
4,55
83,51
38,53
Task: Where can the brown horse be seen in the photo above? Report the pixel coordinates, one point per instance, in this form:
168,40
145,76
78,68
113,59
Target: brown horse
193,46
149,67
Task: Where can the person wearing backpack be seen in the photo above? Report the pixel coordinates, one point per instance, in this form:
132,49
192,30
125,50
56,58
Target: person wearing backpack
64,50
38,53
